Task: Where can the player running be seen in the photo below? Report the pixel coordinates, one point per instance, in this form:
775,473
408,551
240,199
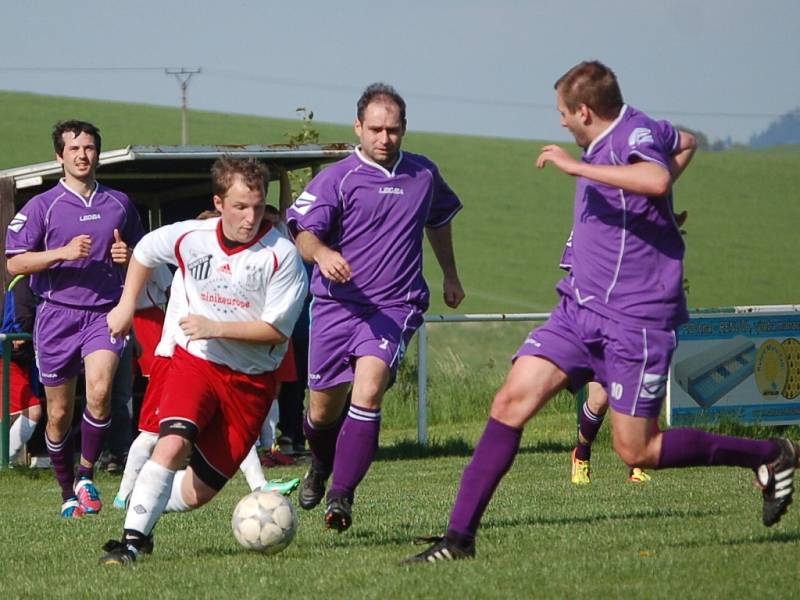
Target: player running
616,319
243,287
361,221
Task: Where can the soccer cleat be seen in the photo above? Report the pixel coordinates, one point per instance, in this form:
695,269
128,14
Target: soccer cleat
88,496
312,488
339,514
442,549
637,475
581,471
283,486
280,459
120,502
776,481
119,553
72,509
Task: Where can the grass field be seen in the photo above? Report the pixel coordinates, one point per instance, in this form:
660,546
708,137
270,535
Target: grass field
689,534
692,533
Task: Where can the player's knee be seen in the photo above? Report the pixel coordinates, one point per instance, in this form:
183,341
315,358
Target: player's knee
172,451
633,452
97,393
508,406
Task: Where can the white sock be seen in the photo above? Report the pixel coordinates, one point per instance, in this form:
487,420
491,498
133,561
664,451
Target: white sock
270,427
139,452
21,431
251,467
176,503
149,497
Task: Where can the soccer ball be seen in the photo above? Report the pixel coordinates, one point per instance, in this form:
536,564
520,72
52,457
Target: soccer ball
264,521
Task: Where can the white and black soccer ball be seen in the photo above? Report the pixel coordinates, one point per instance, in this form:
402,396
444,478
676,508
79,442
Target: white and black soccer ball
264,521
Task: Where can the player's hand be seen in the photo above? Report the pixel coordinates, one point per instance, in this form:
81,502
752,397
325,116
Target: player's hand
453,292
333,266
558,157
120,252
78,247
120,321
197,327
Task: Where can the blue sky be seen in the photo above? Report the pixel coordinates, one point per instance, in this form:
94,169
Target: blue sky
727,68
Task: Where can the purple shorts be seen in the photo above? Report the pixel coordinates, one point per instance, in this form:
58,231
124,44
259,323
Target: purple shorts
631,362
63,336
341,333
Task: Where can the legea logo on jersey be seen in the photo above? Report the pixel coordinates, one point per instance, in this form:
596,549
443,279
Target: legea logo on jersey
91,217
388,189
17,223
200,268
303,203
640,135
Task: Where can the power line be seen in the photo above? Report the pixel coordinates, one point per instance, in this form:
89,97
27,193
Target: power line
347,88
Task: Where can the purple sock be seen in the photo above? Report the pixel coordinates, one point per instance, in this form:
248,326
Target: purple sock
93,435
322,444
694,448
62,457
492,459
355,450
590,424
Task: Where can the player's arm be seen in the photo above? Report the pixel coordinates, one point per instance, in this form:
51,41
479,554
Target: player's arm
331,264
197,327
120,318
34,262
687,145
441,239
644,178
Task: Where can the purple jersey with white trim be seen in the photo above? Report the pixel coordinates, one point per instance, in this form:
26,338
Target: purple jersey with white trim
51,219
627,250
375,218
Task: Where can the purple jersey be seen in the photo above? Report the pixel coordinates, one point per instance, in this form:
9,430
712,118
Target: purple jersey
51,219
627,251
375,218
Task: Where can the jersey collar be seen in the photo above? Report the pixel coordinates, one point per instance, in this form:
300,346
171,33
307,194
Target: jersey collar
383,170
86,201
607,131
262,231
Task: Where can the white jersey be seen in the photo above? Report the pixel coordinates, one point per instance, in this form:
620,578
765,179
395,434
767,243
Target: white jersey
263,280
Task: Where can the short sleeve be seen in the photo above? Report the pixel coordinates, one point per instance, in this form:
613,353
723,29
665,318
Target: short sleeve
286,291
318,208
26,231
444,203
649,141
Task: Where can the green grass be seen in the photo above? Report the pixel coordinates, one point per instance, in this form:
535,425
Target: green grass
692,533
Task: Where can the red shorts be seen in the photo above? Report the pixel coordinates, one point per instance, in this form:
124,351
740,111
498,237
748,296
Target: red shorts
227,407
287,370
21,396
147,326
148,415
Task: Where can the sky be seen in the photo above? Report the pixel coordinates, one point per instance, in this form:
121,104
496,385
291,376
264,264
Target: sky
723,67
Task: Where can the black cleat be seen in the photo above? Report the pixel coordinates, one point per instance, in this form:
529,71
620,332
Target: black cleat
312,489
442,549
339,514
776,481
119,553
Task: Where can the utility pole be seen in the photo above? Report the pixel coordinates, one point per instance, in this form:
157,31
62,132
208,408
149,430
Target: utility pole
183,75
